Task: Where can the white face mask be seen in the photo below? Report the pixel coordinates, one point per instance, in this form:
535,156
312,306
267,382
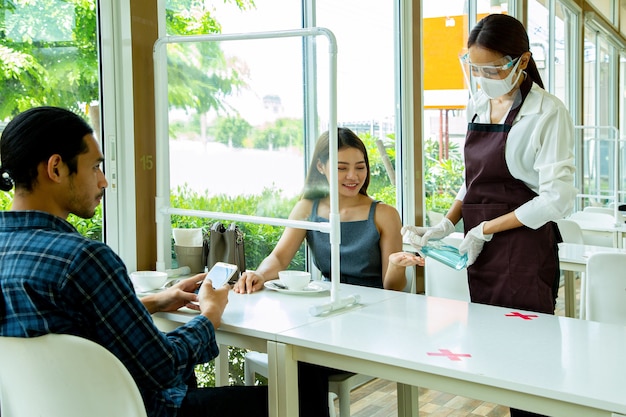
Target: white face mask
498,87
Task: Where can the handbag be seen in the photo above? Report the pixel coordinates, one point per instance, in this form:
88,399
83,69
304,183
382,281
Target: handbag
225,245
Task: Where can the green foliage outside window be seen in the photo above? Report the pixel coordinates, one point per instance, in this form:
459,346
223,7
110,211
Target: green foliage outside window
283,133
92,228
442,179
232,131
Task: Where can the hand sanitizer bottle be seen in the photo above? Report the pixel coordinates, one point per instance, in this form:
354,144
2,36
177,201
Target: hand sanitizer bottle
446,254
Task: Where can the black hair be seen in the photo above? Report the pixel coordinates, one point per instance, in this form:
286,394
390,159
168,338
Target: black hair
32,137
316,184
504,34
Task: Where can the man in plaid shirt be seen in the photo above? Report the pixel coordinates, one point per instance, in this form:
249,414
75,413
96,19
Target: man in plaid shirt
53,280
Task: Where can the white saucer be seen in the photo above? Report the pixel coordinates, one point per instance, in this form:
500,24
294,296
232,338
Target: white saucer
312,288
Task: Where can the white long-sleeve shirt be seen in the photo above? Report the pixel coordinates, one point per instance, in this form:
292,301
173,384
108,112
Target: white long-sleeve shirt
539,152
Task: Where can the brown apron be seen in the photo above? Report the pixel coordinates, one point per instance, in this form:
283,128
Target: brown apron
518,268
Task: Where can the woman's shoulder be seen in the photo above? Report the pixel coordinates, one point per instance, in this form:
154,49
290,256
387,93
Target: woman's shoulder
302,209
385,211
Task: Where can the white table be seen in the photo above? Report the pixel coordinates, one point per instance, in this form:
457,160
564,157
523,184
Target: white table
573,258
547,364
597,232
251,320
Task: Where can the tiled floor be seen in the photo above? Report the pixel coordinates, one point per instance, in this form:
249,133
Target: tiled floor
378,397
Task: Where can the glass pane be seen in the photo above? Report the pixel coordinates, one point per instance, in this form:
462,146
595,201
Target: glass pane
238,108
49,57
590,78
485,7
622,17
605,108
364,30
621,103
557,71
598,153
538,35
565,26
445,99
236,119
590,151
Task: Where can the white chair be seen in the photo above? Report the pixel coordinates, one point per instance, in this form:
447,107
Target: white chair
442,281
605,210
339,385
605,288
570,231
589,221
60,375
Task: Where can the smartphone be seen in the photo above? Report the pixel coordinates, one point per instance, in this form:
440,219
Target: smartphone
221,273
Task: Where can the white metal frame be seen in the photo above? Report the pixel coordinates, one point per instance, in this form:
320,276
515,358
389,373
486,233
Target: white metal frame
162,207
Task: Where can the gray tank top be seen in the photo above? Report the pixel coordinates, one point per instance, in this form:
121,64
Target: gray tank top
359,251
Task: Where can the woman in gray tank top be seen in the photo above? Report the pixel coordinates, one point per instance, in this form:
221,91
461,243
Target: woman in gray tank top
371,242
370,251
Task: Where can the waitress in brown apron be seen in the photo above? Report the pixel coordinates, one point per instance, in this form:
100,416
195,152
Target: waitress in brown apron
519,175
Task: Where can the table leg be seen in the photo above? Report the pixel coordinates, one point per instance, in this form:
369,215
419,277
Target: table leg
570,294
221,367
408,400
282,380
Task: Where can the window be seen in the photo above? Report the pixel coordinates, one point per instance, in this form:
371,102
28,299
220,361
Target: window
246,114
552,26
599,150
49,52
445,97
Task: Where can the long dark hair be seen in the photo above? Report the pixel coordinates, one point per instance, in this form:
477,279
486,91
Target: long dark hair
32,137
316,185
506,35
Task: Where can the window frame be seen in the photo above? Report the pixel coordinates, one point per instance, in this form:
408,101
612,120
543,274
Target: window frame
117,123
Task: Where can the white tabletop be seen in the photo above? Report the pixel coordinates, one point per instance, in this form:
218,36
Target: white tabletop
265,313
565,360
579,254
252,320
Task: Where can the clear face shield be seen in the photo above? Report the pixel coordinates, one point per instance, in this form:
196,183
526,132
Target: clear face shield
495,78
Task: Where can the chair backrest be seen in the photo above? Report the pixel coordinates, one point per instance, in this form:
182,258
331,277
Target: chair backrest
588,220
61,375
605,288
605,210
442,281
570,231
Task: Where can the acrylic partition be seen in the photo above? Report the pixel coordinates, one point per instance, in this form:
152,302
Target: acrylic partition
162,203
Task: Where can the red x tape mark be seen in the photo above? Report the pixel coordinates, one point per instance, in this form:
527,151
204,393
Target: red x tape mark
522,316
450,355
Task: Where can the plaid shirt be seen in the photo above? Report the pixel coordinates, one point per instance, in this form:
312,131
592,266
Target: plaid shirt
53,280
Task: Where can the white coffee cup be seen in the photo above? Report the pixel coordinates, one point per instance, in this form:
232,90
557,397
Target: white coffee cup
148,280
294,280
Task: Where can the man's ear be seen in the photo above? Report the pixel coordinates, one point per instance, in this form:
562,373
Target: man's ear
55,162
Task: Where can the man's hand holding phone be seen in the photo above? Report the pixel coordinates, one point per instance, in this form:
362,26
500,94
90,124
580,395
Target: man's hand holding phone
221,273
212,301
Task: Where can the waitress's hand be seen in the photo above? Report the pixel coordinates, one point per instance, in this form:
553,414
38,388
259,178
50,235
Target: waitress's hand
419,236
473,243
